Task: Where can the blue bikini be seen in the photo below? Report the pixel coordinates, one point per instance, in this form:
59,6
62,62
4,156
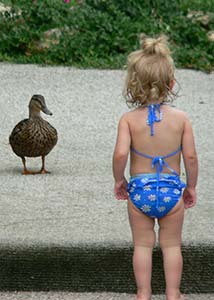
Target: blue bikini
155,194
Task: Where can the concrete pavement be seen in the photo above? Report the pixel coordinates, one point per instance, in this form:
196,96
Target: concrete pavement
88,296
75,204
74,207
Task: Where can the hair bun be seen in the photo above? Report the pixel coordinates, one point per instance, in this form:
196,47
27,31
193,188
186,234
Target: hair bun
151,46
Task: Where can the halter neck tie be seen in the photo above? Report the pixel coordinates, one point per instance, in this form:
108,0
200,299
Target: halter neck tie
153,109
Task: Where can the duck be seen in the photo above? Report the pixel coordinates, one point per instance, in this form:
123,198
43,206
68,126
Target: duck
34,137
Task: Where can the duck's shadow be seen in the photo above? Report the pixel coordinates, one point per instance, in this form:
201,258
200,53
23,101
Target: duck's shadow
17,171
11,171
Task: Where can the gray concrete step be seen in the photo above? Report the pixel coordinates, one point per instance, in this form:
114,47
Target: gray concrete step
92,269
88,296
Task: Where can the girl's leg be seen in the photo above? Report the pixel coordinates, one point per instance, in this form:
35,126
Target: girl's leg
144,239
170,232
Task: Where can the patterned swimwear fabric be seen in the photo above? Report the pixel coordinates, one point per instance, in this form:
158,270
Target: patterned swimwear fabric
155,197
155,194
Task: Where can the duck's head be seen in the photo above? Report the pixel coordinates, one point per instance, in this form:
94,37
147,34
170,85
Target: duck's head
37,104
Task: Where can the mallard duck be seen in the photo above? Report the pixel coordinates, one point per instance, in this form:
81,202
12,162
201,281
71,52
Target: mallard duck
34,137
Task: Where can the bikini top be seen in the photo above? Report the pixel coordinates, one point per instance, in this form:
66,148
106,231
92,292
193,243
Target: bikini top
158,162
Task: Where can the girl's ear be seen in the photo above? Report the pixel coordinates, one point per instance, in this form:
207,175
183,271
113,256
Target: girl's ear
172,83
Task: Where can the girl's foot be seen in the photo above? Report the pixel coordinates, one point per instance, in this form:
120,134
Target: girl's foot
142,297
180,298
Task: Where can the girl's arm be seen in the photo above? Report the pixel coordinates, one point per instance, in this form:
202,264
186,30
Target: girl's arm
120,158
190,163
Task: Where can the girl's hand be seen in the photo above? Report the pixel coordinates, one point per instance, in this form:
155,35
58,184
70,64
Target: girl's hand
120,189
189,196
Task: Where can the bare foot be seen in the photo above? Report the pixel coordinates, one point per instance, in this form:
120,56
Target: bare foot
141,297
180,298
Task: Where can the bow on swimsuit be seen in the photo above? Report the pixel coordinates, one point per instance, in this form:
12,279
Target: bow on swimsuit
155,194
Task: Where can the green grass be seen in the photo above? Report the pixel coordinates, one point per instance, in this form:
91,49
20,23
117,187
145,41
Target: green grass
101,33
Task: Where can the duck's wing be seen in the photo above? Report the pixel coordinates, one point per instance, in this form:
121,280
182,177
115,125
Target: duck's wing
48,136
19,132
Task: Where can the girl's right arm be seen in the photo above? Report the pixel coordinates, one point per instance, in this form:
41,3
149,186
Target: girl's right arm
120,158
190,163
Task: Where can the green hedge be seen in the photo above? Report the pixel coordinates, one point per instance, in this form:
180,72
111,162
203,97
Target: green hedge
100,33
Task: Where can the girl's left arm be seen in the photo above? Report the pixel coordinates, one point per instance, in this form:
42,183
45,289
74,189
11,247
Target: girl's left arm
120,158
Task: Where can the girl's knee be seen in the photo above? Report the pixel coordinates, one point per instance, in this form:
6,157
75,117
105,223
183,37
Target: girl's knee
145,243
169,243
147,238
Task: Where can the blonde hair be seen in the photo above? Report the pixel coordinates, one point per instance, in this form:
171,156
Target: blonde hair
150,73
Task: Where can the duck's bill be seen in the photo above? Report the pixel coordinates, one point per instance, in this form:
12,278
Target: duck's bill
46,111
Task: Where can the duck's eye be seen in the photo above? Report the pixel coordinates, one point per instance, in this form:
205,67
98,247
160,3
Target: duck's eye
38,106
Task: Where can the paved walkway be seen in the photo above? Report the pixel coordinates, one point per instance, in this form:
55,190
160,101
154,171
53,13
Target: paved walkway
75,204
88,296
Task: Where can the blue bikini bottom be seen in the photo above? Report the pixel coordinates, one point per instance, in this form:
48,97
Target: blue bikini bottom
155,196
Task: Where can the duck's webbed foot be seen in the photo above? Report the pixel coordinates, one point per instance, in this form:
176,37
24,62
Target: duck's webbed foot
25,170
43,170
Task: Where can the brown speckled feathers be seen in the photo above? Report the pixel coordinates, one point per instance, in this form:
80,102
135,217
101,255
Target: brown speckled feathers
33,137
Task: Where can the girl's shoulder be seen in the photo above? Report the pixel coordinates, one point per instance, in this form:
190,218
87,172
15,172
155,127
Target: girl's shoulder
131,116
140,113
134,112
178,112
128,115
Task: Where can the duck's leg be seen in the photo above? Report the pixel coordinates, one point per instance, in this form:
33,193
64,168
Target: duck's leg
43,170
26,171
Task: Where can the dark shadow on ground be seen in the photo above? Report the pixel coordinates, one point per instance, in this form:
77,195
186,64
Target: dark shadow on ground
97,269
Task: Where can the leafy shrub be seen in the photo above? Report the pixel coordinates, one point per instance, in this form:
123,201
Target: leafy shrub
100,33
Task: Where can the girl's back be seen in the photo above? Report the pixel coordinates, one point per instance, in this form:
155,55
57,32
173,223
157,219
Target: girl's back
167,138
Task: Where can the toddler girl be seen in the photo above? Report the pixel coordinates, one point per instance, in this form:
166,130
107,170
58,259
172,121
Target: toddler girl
155,134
